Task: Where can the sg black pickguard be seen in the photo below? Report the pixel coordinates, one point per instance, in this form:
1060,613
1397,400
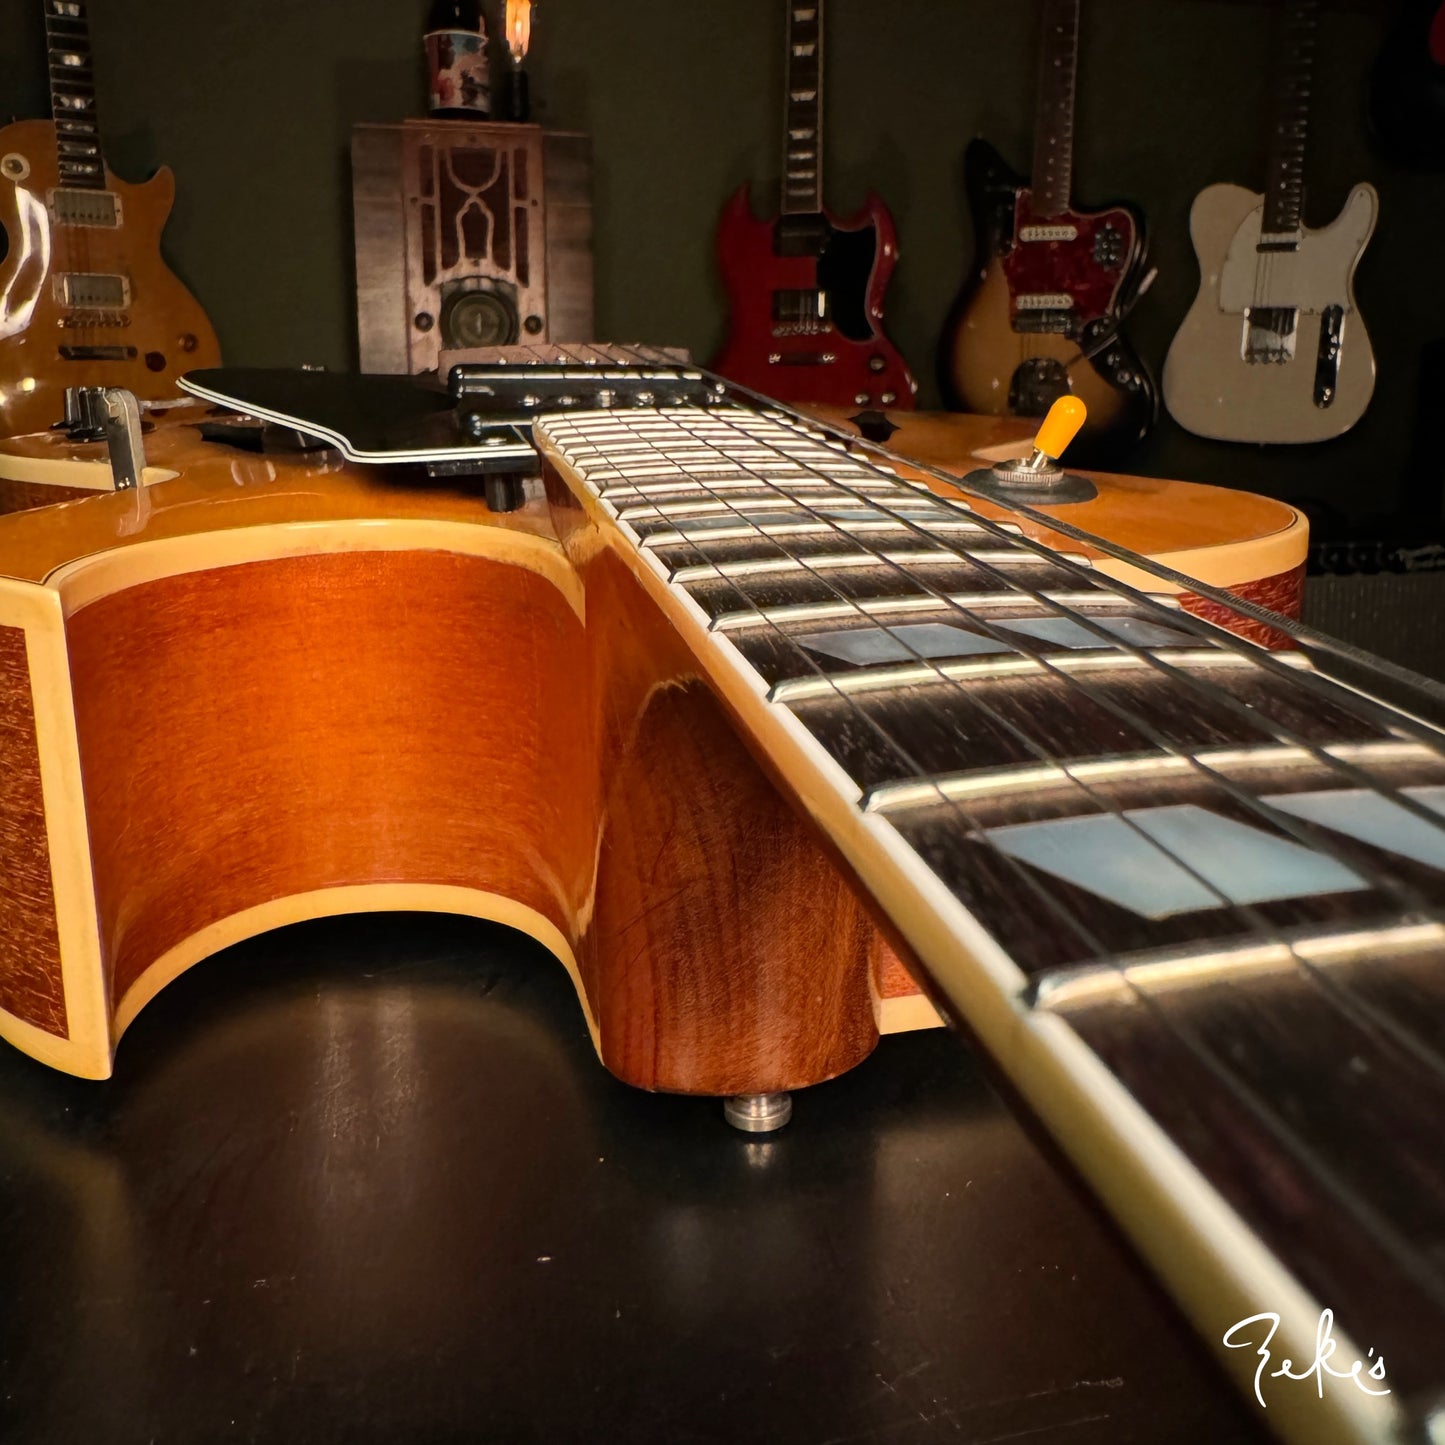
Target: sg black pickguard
845,264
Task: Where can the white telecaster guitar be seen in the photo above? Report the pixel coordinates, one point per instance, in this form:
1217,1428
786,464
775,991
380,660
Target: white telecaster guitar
1274,349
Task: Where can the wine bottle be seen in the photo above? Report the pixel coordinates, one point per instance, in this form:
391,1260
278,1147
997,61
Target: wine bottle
456,58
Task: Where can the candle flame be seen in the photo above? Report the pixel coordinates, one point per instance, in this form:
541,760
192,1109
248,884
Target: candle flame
519,28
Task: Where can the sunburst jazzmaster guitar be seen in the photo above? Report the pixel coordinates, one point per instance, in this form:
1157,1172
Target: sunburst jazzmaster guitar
85,297
723,695
1274,348
1041,315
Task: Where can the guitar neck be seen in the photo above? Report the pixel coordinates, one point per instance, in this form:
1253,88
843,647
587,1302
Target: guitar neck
1293,72
1172,881
803,147
72,94
1052,178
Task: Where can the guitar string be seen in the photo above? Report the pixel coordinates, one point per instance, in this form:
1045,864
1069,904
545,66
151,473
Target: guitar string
1307,836
1399,1248
1326,689
1236,1086
1288,824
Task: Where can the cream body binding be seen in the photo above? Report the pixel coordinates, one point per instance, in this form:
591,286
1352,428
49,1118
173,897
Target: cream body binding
1209,387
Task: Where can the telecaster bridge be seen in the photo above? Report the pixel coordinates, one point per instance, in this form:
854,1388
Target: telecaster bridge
1269,334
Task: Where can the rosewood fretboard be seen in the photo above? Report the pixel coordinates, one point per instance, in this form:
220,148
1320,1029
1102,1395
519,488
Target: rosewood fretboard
1054,108
803,143
72,94
1130,849
1292,72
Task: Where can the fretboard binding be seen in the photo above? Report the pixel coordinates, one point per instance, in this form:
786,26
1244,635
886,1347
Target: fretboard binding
911,674
801,613
995,783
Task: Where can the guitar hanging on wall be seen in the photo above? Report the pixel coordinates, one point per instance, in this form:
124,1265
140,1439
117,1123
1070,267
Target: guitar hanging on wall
1274,349
1040,316
85,298
805,290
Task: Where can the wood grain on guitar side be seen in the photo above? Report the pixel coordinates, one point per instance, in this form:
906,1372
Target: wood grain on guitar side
349,722
31,986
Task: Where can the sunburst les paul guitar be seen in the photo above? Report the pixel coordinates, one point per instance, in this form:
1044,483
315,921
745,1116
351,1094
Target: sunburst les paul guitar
716,696
806,288
85,297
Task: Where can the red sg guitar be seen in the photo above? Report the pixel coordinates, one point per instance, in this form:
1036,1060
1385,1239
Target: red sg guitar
806,289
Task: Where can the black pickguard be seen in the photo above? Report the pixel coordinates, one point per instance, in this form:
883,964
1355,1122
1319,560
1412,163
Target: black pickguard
845,265
992,188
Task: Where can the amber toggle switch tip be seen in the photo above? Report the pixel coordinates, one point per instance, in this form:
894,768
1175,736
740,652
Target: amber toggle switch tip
1060,426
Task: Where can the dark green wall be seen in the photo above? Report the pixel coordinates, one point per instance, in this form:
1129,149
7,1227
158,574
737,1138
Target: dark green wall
252,102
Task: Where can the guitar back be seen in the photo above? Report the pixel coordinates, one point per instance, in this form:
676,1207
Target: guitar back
89,302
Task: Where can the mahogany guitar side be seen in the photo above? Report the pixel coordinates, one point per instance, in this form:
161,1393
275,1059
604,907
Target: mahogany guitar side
46,344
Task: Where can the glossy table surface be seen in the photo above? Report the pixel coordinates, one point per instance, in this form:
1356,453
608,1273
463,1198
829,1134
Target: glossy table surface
364,1180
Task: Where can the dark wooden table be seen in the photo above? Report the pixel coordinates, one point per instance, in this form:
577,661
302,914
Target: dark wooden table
365,1180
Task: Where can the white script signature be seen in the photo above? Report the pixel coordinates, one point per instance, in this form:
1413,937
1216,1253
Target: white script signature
1318,1368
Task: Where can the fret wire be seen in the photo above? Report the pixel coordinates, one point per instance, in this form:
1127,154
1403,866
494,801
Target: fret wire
1309,835
972,829
1241,1090
927,664
1341,997
1311,643
1236,1086
1325,688
1303,831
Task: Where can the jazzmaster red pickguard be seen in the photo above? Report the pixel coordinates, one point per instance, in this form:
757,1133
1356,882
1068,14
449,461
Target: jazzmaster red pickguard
824,366
1042,268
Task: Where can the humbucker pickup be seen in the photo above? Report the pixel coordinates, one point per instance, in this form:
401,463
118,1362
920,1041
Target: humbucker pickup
93,290
73,207
1048,233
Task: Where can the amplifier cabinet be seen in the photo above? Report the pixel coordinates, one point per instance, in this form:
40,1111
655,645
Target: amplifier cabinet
469,235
